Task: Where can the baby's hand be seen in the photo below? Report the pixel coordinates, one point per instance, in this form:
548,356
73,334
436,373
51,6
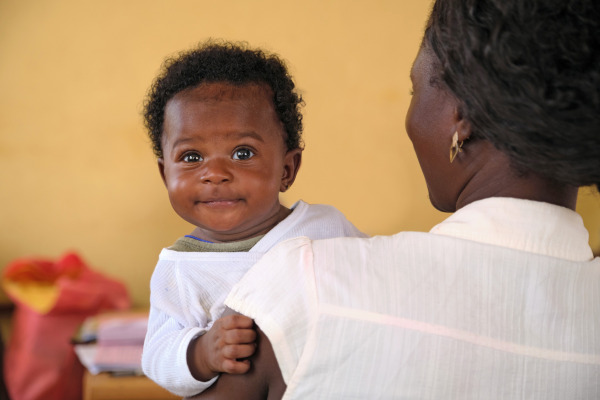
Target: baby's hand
224,347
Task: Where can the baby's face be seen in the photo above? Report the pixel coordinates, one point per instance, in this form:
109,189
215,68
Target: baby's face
224,160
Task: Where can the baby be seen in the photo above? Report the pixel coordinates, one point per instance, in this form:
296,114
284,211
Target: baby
225,125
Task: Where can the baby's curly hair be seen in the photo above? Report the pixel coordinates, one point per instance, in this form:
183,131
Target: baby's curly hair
527,76
219,61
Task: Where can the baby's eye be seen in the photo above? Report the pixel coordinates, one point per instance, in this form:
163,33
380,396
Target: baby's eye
192,157
243,154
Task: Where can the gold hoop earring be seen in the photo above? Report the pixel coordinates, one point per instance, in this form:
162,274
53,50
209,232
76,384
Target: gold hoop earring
456,147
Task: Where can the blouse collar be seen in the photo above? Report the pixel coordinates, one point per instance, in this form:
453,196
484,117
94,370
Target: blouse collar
526,225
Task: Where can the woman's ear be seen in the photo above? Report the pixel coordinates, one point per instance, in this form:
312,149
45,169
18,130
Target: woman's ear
460,133
463,127
291,165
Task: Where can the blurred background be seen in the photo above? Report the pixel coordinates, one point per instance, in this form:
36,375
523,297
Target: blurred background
77,171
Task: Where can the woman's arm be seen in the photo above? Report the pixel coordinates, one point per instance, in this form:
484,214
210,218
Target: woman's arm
262,382
223,349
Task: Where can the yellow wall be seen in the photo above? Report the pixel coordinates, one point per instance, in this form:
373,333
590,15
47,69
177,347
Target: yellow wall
76,170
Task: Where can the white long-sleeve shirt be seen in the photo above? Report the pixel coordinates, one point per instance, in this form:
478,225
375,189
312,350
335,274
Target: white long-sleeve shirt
188,290
500,301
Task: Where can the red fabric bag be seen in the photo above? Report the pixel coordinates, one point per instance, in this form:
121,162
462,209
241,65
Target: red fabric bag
52,299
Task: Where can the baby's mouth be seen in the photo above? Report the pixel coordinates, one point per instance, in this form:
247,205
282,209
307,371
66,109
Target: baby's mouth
220,202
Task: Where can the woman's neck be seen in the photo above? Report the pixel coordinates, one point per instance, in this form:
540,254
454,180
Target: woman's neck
495,177
528,189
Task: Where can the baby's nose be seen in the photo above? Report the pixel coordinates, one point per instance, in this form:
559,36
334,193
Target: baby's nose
216,171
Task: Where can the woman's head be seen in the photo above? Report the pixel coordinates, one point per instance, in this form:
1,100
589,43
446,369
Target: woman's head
232,63
526,77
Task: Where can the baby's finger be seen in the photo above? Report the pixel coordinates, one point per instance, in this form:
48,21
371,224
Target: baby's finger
238,351
240,336
236,367
236,321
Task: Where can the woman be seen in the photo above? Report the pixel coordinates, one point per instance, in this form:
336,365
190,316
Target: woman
501,300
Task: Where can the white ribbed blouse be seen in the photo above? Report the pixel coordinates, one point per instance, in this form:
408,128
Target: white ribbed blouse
500,301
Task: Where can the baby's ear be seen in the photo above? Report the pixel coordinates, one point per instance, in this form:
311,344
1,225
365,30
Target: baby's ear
161,169
291,165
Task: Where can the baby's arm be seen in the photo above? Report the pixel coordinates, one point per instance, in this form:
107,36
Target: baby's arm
174,322
164,357
224,348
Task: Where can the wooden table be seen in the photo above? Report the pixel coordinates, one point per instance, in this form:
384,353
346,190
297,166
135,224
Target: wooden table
107,387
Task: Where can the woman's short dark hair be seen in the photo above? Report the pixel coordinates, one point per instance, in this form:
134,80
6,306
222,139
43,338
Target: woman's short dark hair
527,76
234,63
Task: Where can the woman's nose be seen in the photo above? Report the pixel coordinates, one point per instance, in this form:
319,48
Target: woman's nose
215,171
